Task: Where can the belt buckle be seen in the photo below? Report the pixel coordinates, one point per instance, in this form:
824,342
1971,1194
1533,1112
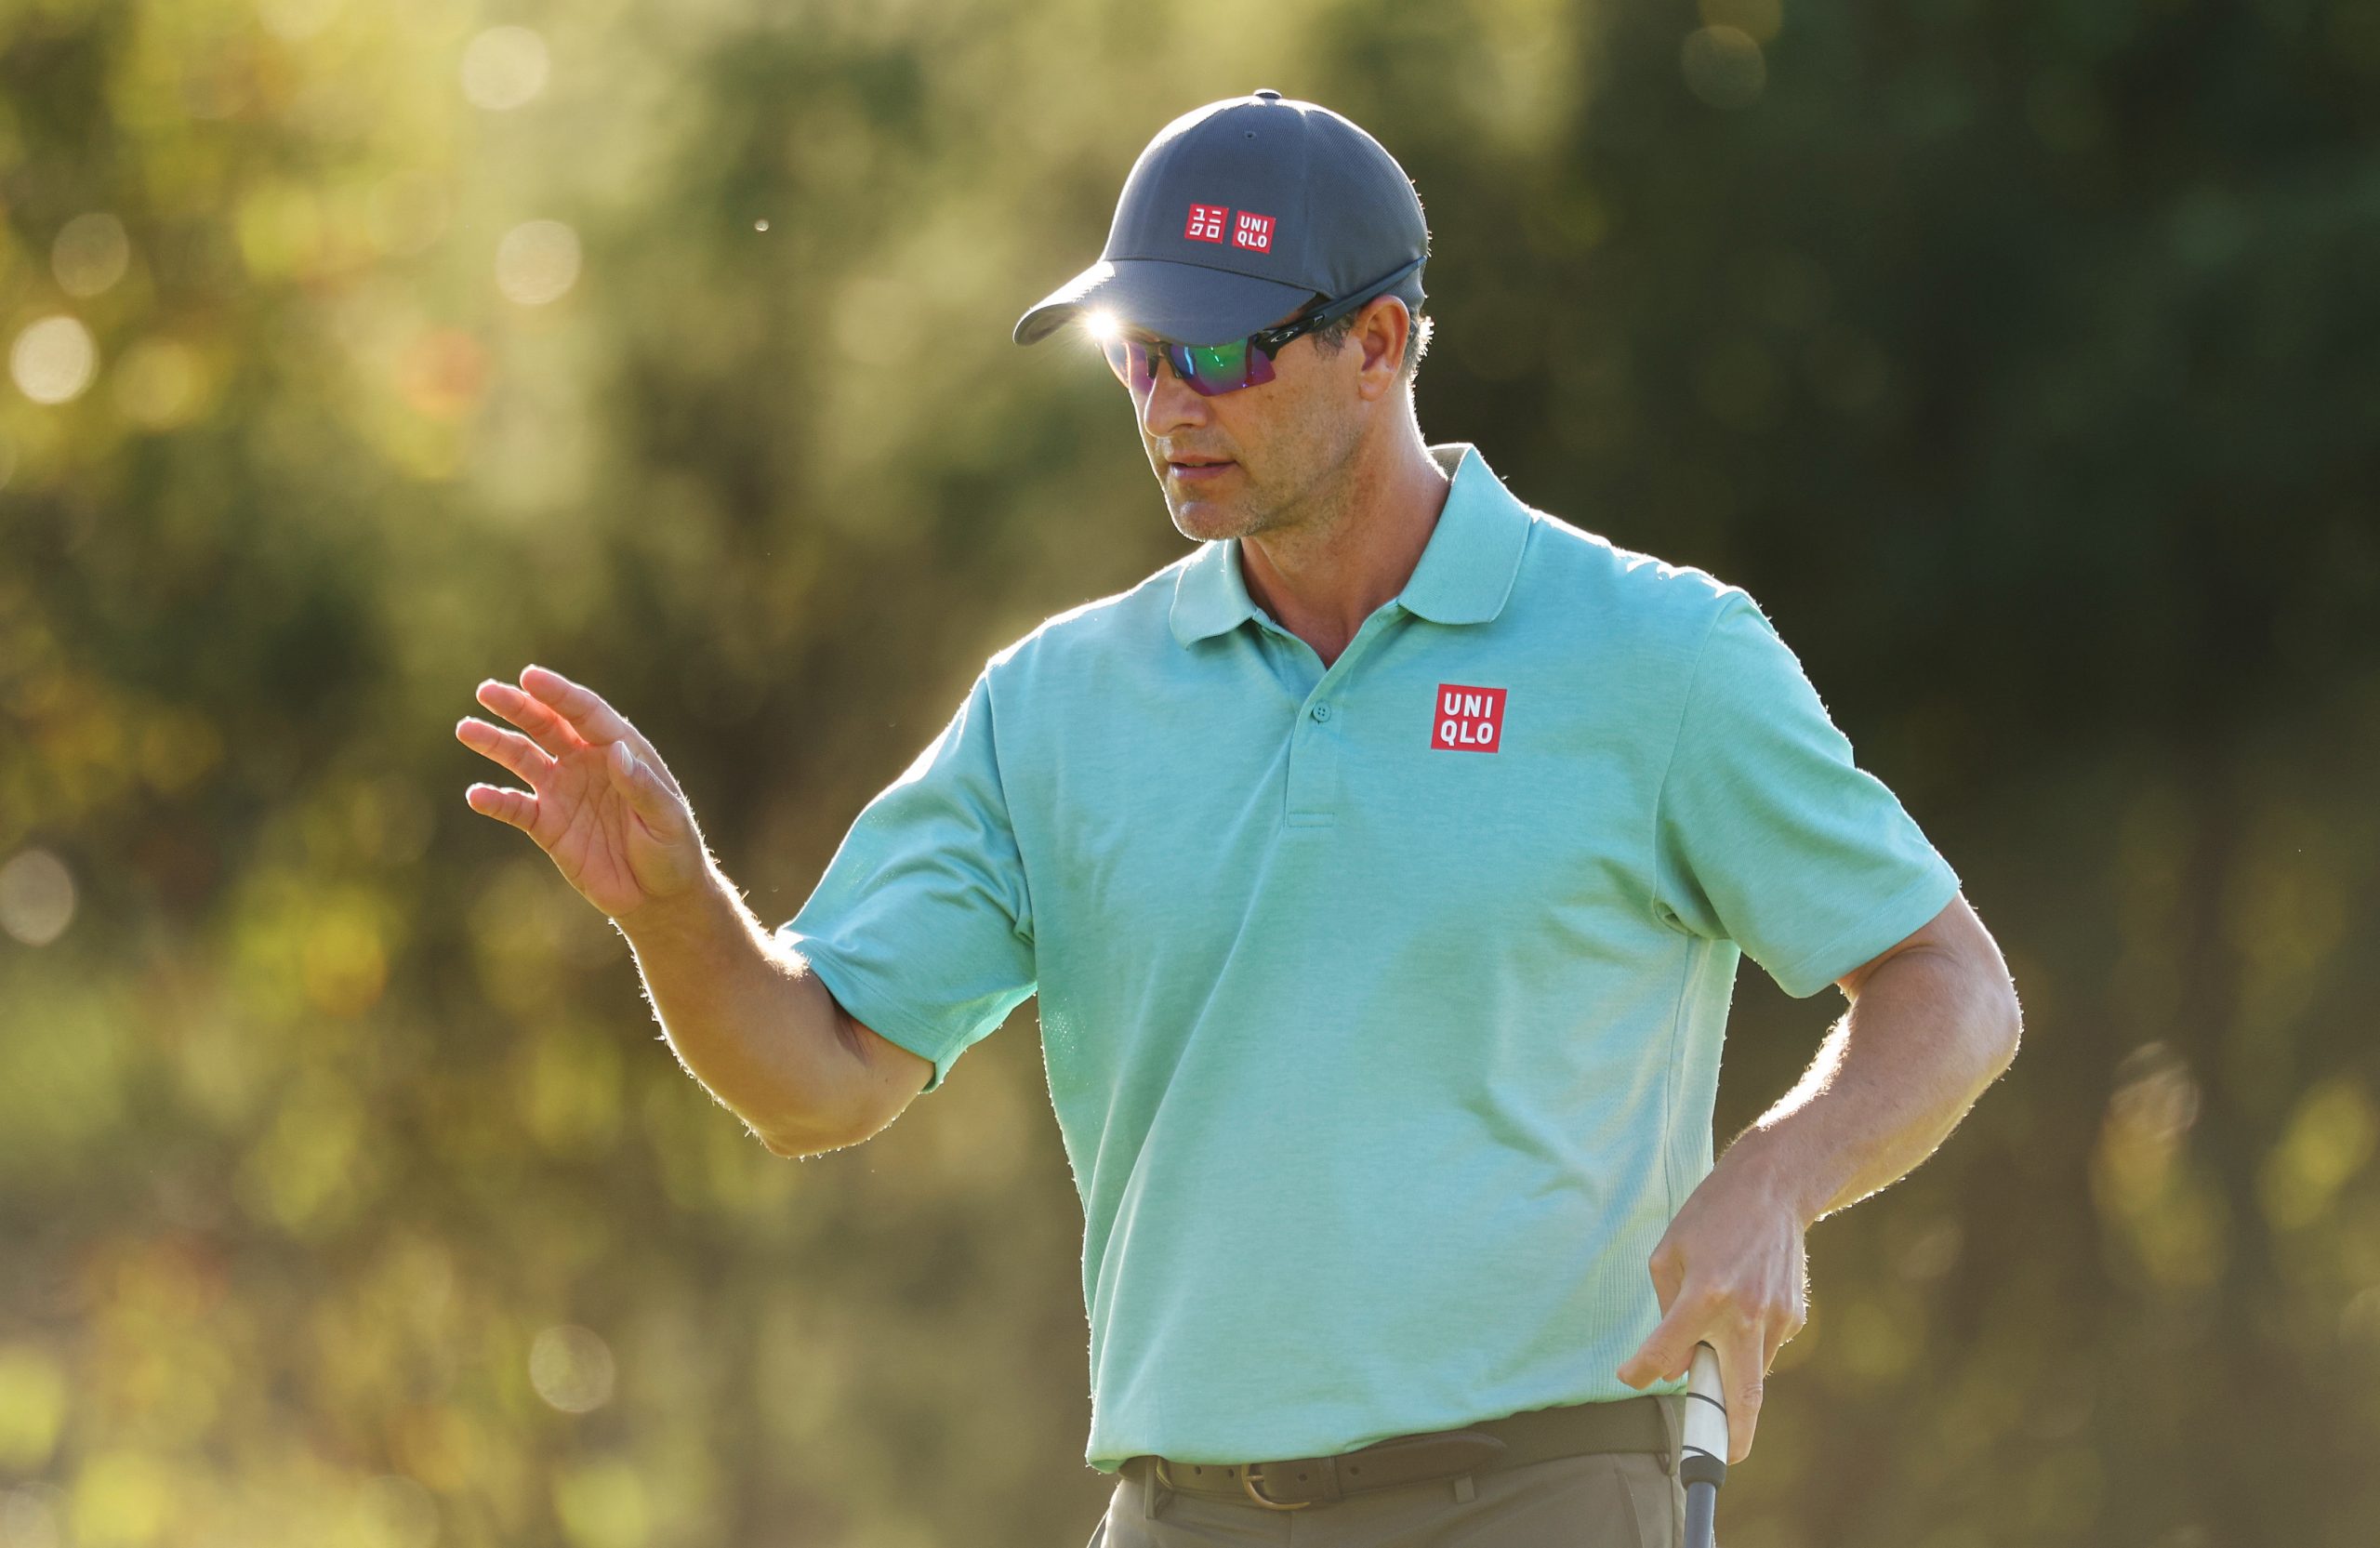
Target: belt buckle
1249,1480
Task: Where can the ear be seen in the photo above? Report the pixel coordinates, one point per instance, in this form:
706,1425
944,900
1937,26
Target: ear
1379,331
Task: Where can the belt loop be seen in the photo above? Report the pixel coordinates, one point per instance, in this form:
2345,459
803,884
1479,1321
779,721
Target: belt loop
1153,1494
1673,1421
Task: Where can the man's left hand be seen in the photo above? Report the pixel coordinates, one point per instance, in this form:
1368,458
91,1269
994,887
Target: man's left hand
1731,1271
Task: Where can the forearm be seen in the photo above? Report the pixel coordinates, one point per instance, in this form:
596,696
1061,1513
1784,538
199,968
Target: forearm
748,1020
1926,1035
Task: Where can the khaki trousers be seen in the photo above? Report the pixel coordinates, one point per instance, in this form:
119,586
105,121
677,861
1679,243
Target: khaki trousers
1600,1500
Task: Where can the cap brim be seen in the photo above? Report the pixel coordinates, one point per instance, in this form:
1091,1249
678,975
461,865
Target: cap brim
1183,301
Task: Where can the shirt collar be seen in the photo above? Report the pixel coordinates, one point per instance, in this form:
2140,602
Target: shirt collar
1465,572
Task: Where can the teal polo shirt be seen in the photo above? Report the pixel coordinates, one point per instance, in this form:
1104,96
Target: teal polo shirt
1380,1005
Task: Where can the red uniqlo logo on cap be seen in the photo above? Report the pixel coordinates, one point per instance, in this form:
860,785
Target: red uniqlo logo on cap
1467,719
1254,230
1205,223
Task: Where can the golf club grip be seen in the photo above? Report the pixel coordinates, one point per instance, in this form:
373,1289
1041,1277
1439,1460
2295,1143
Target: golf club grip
1705,1443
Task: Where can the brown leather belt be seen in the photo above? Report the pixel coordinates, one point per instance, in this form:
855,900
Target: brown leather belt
1628,1424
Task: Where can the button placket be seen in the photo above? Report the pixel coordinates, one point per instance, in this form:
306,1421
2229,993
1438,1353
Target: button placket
1318,737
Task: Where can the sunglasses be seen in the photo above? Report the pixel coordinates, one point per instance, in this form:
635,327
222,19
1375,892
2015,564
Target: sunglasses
1210,370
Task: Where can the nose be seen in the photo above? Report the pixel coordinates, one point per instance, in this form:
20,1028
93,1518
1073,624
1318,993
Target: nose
1169,403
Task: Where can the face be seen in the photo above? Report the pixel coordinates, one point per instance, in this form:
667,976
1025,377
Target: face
1268,448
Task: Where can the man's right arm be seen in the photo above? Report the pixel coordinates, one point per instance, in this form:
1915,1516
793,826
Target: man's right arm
751,1020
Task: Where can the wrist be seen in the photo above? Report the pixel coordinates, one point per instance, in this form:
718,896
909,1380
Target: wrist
1763,1161
695,912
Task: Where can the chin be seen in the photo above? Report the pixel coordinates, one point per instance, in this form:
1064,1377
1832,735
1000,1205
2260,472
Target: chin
1207,521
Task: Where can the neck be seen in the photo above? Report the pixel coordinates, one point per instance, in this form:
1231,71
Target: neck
1322,576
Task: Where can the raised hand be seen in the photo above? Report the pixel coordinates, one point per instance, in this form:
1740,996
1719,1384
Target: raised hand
604,806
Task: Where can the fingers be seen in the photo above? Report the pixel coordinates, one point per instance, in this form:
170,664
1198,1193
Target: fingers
540,720
588,714
563,717
1668,1268
510,748
516,807
1697,1318
1745,1345
1669,1349
1740,1369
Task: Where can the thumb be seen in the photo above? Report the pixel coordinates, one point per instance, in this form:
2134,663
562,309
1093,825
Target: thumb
634,780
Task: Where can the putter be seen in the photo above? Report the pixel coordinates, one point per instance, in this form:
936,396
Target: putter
1703,1466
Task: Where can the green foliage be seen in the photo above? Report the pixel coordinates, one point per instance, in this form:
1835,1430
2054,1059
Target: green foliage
2019,360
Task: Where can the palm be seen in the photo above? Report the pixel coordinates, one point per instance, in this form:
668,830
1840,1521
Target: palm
623,843
595,837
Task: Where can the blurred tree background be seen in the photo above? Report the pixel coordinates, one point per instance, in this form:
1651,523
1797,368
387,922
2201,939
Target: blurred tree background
2024,361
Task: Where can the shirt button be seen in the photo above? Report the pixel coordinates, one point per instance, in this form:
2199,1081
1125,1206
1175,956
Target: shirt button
1321,711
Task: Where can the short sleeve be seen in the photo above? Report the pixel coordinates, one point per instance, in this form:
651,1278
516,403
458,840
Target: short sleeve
923,926
1767,834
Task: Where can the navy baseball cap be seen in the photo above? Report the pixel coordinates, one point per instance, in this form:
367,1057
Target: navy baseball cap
1238,214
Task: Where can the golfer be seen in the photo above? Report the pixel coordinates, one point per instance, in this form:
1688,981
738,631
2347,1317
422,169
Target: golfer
1383,865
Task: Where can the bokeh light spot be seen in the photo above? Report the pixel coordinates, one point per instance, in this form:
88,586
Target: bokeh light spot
2155,1103
503,67
54,359
157,384
537,262
91,254
1724,66
571,1366
36,898
2329,1140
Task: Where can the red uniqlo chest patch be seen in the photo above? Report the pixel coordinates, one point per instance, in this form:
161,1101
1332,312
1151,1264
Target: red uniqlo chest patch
1467,720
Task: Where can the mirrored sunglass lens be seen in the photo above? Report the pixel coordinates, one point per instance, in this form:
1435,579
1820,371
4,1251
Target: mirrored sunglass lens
1208,369
1214,367
1132,362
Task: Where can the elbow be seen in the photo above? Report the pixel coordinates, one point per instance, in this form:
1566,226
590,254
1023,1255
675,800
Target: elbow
798,1144
778,1146
2003,1030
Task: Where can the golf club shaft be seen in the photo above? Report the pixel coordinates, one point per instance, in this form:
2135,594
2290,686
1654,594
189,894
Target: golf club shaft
1703,1465
1702,1512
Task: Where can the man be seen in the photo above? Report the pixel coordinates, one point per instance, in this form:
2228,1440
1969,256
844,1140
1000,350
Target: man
1383,867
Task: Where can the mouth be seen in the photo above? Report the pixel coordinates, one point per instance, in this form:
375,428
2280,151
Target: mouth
1198,470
